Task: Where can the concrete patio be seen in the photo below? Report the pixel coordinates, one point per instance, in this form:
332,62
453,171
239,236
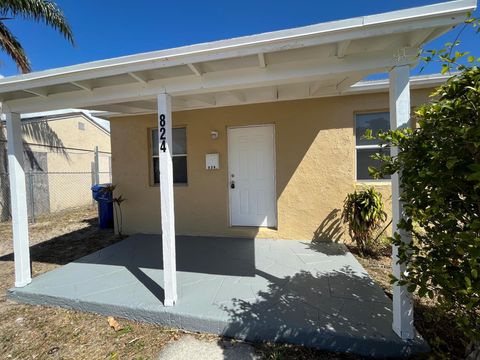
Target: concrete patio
315,295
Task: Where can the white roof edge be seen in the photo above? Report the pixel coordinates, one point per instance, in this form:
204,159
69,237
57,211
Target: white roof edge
62,113
416,82
439,9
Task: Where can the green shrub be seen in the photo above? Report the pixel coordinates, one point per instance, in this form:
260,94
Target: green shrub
440,189
363,211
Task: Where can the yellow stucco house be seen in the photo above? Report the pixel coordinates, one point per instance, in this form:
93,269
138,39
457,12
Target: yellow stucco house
304,157
256,137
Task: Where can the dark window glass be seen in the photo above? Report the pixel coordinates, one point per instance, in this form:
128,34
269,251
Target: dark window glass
364,160
155,142
156,171
375,122
180,170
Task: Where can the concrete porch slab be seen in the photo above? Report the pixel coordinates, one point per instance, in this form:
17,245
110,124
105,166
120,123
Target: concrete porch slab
315,295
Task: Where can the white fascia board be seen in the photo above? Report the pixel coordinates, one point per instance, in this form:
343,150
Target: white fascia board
277,74
416,82
445,8
63,112
67,113
436,15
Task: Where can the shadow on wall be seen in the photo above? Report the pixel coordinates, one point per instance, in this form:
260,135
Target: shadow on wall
330,229
34,162
42,133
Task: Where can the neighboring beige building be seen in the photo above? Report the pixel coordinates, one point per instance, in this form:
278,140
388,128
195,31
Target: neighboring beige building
317,161
59,160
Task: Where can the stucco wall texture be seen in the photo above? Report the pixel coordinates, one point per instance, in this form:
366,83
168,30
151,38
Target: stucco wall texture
315,167
69,157
69,190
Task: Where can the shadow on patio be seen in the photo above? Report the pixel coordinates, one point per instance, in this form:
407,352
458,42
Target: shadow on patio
316,295
338,310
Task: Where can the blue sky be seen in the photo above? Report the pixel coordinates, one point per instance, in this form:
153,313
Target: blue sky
109,28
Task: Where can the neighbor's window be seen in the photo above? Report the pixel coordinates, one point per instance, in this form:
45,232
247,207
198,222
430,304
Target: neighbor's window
179,157
376,122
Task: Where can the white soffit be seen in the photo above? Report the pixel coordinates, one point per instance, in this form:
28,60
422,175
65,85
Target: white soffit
311,61
324,88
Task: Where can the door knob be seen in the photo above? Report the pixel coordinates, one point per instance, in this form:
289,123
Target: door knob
232,185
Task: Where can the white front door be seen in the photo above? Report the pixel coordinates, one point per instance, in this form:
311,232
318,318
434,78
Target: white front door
251,175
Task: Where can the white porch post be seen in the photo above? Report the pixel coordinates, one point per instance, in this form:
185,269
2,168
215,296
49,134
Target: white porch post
18,200
166,198
400,118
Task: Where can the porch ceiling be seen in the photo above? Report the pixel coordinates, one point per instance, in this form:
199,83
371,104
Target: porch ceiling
318,60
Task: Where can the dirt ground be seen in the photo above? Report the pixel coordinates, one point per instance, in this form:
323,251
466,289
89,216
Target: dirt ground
37,332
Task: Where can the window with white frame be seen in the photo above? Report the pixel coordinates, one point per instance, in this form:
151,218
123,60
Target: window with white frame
378,121
179,156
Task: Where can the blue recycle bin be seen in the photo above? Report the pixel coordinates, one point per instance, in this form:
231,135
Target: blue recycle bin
105,205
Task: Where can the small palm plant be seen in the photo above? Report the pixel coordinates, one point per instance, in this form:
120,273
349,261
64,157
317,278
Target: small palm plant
363,211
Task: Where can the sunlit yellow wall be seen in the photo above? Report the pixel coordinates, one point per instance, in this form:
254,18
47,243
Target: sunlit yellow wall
315,169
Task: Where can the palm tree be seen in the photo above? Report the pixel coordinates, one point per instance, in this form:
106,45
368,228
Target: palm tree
37,10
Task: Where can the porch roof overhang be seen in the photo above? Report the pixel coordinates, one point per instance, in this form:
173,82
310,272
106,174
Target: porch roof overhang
325,59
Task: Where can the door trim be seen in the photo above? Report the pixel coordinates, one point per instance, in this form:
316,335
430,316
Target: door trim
275,208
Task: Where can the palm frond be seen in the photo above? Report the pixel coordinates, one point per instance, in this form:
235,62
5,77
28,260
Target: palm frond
40,11
10,44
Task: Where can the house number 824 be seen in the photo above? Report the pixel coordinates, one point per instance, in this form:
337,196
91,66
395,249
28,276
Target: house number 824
162,133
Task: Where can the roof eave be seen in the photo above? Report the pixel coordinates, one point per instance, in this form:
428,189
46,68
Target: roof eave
279,40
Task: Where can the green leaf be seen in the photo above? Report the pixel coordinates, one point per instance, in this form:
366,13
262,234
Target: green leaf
445,68
451,162
422,292
474,273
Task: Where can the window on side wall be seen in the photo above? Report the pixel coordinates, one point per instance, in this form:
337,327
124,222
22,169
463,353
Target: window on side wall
378,121
179,156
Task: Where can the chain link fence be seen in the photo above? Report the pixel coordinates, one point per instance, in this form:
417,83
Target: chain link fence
55,191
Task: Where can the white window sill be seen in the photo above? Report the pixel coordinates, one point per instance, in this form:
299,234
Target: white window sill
383,182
